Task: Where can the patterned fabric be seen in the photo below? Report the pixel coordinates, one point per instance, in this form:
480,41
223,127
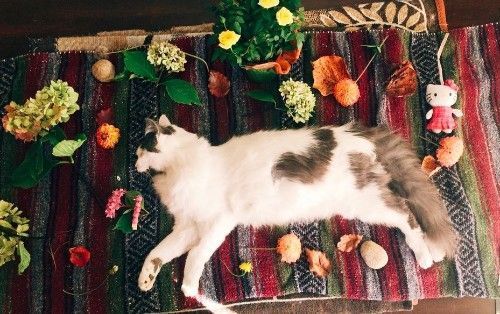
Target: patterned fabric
67,208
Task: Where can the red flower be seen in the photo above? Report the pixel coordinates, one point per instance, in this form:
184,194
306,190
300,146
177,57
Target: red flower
79,256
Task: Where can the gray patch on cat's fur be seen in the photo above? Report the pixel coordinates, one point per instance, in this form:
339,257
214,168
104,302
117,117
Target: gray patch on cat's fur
409,182
312,165
157,264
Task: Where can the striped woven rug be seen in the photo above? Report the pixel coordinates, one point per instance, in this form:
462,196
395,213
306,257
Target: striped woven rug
66,209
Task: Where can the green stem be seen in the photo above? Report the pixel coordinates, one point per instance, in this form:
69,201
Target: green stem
371,60
229,270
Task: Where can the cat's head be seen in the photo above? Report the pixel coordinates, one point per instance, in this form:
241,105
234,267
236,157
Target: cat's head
160,141
441,95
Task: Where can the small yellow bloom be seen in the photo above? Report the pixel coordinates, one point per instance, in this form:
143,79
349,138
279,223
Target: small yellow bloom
266,4
284,16
246,267
227,39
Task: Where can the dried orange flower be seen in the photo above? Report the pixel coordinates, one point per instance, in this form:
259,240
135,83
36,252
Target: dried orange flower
429,164
346,92
319,264
349,242
450,150
108,136
218,84
289,247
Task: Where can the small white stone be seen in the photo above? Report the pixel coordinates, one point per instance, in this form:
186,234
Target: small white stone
373,254
118,178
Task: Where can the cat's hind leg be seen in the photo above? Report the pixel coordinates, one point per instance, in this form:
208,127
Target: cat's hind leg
182,238
212,236
383,207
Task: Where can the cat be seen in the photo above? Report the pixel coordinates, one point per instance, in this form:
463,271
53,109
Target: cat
281,177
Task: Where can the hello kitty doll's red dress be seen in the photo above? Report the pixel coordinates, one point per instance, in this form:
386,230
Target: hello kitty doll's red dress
441,98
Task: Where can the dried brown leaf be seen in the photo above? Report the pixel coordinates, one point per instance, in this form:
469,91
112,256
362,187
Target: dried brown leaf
319,264
349,242
340,17
327,21
413,19
402,14
218,84
390,12
429,165
403,81
355,28
355,14
327,71
371,14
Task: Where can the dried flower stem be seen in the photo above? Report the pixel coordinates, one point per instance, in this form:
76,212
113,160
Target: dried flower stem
428,140
229,270
371,60
200,59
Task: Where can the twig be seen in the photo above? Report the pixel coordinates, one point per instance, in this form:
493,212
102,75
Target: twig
200,59
428,140
371,60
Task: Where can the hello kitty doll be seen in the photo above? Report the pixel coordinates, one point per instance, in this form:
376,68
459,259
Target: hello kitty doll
441,98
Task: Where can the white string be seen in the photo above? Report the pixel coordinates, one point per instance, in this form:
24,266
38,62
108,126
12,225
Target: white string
440,51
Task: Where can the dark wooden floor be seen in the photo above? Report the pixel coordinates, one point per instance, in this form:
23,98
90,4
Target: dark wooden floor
21,19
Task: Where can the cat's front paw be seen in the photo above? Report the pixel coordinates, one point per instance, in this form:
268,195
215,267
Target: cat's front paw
148,274
424,260
189,290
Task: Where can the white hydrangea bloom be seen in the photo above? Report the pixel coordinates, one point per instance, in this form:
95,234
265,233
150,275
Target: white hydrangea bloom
167,55
299,100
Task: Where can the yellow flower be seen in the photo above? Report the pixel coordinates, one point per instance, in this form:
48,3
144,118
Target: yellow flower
284,16
227,39
246,267
266,4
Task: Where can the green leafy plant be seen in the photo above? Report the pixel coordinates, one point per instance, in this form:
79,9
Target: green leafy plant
254,31
13,228
158,65
37,163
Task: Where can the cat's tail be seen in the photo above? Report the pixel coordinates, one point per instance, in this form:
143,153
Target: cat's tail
411,183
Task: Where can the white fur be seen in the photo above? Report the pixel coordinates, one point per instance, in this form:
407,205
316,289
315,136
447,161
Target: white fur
210,190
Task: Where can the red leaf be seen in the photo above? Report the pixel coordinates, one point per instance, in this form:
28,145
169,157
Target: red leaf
79,256
218,84
105,116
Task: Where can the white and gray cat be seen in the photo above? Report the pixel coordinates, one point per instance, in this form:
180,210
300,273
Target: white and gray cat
282,177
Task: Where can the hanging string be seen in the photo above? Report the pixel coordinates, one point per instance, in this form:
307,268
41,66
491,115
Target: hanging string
440,51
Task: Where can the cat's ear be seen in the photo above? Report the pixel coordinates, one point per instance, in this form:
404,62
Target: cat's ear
164,121
151,126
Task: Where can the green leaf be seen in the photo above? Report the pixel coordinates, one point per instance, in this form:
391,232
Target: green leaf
137,63
54,136
262,95
24,258
124,224
67,148
129,197
30,171
260,76
182,92
121,76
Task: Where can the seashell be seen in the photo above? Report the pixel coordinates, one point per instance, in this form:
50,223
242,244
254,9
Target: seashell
373,254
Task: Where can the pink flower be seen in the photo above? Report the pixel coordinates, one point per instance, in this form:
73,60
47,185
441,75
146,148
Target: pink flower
114,203
137,210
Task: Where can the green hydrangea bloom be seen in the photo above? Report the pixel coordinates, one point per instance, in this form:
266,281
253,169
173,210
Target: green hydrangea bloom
299,100
52,105
166,55
12,227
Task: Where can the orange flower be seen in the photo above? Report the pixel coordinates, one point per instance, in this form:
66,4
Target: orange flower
289,247
319,264
450,150
346,92
108,136
349,242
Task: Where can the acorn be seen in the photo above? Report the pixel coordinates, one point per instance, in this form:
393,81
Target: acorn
373,254
346,92
103,71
